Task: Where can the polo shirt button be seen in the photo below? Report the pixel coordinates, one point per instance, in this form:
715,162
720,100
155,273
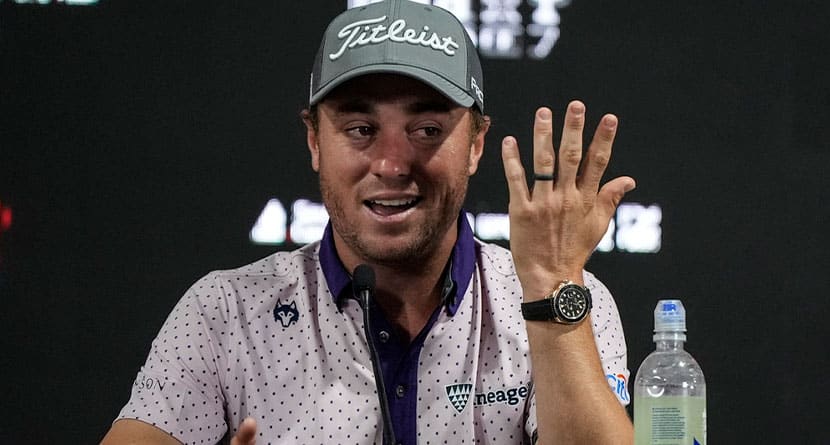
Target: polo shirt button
384,336
400,391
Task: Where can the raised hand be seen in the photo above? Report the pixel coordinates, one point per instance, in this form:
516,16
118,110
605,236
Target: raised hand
556,224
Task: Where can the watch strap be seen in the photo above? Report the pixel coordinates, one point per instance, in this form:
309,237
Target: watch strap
541,310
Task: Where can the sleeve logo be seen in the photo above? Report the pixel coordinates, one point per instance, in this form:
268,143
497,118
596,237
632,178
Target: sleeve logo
618,385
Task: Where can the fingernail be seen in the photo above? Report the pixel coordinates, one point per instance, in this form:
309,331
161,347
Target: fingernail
611,122
544,113
578,109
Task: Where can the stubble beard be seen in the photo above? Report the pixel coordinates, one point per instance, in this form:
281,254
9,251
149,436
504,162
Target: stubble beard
413,248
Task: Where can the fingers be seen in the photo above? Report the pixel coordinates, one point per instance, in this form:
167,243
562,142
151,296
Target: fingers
598,156
246,433
570,150
513,171
544,158
571,171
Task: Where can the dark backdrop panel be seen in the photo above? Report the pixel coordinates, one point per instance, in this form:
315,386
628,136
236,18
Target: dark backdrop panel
140,141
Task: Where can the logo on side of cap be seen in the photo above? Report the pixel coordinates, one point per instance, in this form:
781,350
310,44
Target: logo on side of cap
361,33
475,88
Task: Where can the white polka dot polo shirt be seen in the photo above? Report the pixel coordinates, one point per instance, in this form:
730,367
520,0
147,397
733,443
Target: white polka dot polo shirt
281,340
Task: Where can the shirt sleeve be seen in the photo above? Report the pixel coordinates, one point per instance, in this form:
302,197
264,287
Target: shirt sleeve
178,389
609,337
610,341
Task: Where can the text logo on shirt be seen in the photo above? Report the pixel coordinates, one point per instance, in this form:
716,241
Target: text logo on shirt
619,386
459,395
286,313
149,383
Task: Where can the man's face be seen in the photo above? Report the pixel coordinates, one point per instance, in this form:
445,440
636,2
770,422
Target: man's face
394,157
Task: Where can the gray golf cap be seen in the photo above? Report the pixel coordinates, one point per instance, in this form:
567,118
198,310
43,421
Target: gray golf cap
425,42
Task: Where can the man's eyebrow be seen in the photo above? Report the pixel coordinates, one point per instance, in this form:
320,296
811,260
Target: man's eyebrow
436,106
353,106
358,105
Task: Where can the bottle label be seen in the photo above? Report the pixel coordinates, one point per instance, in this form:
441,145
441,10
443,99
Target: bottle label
670,420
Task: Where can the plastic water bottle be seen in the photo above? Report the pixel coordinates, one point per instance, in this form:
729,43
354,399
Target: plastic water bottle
669,390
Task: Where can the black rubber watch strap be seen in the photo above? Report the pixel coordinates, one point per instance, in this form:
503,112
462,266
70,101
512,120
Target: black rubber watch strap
541,310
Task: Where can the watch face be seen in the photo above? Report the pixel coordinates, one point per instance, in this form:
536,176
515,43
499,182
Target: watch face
572,303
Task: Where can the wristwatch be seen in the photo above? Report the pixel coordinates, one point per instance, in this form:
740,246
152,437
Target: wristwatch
570,303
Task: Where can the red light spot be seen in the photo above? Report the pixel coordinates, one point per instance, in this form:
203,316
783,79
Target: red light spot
5,218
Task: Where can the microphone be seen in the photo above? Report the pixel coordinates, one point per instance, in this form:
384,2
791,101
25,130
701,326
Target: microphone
363,285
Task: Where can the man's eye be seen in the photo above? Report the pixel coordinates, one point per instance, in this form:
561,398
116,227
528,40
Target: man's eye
363,130
431,131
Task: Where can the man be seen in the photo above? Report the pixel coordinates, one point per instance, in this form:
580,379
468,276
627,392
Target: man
468,346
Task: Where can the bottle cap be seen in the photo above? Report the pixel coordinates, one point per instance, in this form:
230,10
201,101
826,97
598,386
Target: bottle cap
669,316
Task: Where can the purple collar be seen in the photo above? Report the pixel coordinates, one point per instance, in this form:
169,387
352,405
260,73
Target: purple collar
461,266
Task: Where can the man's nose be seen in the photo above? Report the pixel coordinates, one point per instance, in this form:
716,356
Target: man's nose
393,156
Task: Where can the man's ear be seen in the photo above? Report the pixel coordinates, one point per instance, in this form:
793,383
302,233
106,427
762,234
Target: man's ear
313,144
477,147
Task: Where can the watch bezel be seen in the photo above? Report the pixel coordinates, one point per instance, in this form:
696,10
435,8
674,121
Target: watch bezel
565,293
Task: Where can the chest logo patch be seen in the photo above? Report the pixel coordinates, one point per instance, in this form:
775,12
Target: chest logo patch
286,313
459,395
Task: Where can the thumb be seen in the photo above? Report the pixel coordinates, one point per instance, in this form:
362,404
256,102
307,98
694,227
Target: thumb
612,193
245,434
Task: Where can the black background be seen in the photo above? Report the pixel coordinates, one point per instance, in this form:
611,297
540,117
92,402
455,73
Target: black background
140,141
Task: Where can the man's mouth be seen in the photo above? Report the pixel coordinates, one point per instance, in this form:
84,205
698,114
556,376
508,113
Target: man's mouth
391,206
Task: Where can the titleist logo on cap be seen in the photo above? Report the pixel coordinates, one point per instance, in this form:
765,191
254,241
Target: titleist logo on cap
360,33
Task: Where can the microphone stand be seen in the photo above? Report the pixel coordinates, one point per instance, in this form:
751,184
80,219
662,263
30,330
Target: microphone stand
364,286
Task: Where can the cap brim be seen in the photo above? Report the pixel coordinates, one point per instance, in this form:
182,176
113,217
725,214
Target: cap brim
443,86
